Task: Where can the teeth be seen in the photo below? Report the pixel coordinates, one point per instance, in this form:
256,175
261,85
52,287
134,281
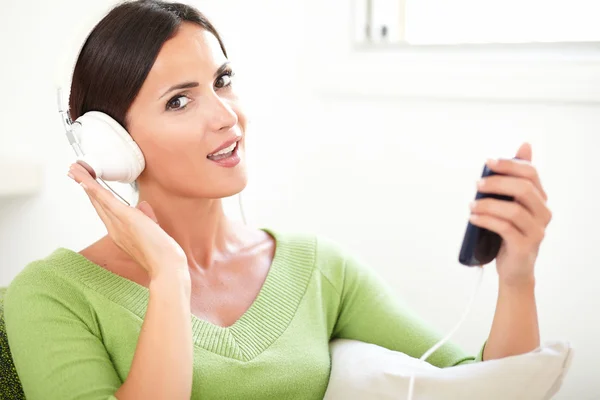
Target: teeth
226,150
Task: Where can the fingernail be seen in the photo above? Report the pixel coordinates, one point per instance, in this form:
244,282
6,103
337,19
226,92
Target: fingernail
472,205
83,186
70,175
492,162
480,183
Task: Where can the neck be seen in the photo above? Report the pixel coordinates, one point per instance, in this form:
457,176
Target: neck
199,226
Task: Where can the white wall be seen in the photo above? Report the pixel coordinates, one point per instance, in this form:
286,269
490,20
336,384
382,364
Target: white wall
389,177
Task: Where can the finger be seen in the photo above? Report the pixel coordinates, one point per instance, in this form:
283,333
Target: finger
510,211
518,168
525,152
108,201
523,191
78,173
106,219
91,187
147,210
502,227
81,176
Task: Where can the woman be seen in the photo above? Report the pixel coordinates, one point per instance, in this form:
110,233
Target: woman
179,302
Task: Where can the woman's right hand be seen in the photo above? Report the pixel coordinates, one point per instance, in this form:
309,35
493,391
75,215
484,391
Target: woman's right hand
133,230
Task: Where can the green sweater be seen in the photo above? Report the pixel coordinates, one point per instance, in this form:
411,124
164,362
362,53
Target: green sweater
73,326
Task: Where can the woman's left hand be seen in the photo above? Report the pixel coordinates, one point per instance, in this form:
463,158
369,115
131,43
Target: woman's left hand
521,223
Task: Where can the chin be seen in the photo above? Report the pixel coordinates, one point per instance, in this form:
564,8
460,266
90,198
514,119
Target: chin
228,192
225,187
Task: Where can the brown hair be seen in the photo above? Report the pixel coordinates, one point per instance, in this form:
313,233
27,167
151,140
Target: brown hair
120,51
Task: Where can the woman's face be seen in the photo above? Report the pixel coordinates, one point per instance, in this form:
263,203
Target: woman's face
185,112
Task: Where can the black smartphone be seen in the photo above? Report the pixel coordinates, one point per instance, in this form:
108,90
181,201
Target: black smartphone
480,246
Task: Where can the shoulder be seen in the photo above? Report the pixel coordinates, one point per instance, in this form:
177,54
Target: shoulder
44,283
47,271
336,262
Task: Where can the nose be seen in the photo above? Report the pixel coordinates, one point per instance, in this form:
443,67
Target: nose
222,115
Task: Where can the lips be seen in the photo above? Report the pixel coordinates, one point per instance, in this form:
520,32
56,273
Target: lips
224,153
228,157
225,148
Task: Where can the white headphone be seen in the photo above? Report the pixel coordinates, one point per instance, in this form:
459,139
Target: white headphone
100,142
103,146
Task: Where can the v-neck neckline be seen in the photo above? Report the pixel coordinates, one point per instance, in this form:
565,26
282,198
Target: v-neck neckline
257,328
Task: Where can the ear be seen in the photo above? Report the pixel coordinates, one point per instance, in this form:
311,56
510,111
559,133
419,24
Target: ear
525,152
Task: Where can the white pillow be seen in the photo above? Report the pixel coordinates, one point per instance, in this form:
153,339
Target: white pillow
366,371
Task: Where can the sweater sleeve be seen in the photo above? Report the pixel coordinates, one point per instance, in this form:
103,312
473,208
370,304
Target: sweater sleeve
56,353
371,312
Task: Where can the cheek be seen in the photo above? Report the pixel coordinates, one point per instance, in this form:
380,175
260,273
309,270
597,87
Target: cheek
171,149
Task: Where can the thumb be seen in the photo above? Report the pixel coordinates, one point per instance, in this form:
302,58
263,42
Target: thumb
145,207
525,152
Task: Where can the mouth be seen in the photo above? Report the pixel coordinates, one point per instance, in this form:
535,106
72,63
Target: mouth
227,154
225,151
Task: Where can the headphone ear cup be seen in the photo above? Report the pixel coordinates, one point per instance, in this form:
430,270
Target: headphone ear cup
107,148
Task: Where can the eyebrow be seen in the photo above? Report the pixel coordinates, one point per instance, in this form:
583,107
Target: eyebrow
188,85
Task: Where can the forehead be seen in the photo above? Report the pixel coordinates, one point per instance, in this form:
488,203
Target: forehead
193,52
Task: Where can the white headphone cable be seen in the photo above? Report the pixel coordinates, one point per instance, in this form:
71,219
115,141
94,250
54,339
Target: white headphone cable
449,335
242,213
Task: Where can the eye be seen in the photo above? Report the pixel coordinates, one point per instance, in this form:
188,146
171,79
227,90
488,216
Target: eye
178,103
224,80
